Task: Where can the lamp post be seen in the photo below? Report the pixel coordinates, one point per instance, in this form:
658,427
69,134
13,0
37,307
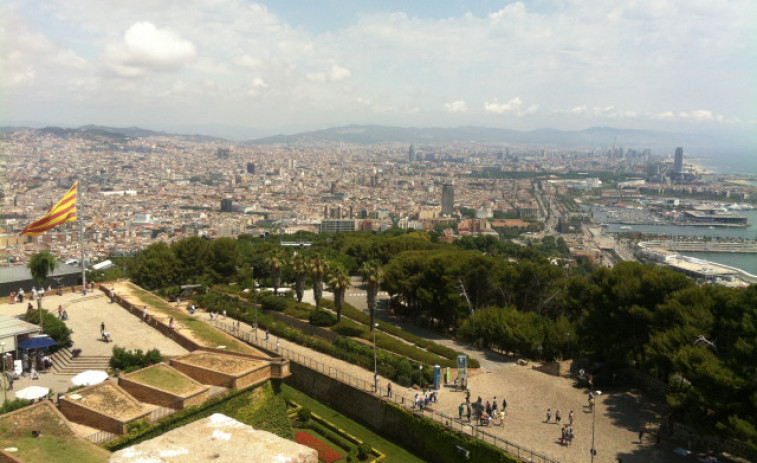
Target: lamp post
593,422
5,380
254,298
375,363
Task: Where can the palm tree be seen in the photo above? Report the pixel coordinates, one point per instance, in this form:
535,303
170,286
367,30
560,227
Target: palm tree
275,261
318,268
300,268
373,275
41,265
339,282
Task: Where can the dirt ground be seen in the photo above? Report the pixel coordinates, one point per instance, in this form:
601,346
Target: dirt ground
222,363
107,398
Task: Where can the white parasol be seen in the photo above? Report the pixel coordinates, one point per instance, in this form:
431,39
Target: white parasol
89,377
32,392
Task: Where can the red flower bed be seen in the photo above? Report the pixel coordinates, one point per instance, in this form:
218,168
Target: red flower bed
325,453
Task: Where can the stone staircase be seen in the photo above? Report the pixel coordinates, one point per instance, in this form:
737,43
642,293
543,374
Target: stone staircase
64,362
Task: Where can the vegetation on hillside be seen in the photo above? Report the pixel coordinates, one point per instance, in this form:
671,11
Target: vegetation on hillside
530,300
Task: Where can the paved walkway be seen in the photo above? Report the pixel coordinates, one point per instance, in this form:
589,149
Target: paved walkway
85,314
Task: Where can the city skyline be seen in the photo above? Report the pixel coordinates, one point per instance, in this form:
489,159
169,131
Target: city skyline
285,67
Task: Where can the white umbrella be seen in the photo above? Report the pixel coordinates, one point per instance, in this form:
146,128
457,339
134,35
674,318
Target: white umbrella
32,392
89,377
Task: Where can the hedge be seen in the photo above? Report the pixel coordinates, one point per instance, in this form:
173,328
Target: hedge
431,441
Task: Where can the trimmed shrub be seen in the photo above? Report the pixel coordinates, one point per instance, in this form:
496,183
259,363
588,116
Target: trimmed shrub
271,302
363,451
304,414
134,360
321,318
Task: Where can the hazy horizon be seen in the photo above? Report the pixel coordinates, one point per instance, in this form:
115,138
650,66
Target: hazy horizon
288,66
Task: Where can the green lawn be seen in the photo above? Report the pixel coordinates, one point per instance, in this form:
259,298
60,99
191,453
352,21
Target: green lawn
56,444
165,378
208,334
392,451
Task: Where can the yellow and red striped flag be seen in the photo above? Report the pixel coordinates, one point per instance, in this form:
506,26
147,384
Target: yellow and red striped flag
63,212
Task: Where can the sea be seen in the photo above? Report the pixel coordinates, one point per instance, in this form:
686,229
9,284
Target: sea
742,164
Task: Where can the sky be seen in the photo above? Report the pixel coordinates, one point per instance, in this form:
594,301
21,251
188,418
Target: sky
292,65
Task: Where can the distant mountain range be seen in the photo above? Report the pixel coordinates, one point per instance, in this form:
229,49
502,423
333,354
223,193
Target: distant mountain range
588,138
659,142
98,132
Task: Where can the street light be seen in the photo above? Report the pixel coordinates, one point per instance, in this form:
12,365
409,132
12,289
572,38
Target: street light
255,309
593,422
375,364
5,380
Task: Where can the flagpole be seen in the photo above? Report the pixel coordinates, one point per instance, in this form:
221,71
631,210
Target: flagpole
80,217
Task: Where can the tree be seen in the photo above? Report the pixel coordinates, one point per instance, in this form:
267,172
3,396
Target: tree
300,268
275,261
339,282
41,265
373,275
224,258
193,255
318,268
155,267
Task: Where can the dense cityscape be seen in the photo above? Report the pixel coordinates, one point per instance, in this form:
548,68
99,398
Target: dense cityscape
140,190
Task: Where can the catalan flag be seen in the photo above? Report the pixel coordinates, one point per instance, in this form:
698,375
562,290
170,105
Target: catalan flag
63,212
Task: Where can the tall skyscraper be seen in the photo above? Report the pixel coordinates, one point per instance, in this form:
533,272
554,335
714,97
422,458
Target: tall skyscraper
448,199
678,163
227,205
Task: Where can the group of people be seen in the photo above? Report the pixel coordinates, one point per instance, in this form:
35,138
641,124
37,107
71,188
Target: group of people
558,417
567,435
422,401
485,413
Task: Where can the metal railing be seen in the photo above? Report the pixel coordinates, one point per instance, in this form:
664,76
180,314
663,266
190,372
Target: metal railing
470,429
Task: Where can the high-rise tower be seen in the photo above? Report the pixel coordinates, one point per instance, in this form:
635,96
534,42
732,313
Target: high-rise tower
448,199
678,163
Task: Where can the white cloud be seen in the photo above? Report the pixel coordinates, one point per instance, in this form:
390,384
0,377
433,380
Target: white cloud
458,106
652,60
699,115
335,74
146,48
514,106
